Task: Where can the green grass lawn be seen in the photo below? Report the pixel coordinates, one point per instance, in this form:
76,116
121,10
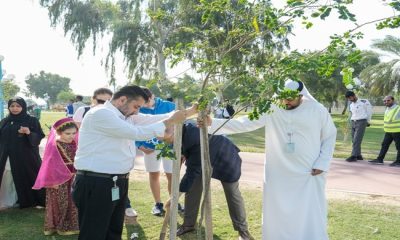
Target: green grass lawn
254,141
347,219
47,119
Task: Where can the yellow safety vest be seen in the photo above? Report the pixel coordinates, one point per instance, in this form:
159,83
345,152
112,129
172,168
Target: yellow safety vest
391,120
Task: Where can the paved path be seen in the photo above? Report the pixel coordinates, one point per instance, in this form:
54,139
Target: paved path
358,177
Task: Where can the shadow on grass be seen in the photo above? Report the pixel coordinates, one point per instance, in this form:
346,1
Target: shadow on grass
197,234
132,226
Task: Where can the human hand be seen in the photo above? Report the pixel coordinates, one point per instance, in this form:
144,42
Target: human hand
168,135
24,130
201,123
176,118
192,110
146,150
315,172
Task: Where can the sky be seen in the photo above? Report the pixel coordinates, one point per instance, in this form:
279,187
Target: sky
29,44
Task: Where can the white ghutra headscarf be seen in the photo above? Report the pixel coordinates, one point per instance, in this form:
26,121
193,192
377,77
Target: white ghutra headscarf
299,86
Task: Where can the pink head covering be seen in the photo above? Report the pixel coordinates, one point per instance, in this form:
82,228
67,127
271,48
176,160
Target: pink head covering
53,170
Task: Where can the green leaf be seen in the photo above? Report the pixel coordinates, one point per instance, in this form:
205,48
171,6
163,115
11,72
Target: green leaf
255,24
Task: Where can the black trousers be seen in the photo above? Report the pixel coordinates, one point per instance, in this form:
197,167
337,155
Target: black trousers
100,218
387,140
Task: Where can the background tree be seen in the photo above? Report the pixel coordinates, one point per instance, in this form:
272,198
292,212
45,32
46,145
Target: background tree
384,77
65,96
10,89
39,85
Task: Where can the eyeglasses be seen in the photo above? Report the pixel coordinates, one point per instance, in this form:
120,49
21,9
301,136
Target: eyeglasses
100,101
387,100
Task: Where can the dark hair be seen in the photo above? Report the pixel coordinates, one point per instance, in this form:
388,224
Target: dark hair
66,126
132,92
349,94
147,91
79,97
102,91
391,97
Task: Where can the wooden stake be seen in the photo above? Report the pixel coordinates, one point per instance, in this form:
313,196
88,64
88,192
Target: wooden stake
171,206
206,177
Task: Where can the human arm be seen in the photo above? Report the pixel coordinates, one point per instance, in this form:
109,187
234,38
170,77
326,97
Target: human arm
146,150
145,119
34,132
110,124
237,125
368,108
328,140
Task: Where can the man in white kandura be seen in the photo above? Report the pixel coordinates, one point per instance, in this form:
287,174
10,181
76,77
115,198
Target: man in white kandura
300,141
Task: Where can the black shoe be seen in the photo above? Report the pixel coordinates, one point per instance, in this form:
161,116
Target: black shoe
360,157
376,162
351,159
395,164
245,235
184,229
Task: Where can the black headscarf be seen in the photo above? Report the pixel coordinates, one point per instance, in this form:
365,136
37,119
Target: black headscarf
21,117
23,114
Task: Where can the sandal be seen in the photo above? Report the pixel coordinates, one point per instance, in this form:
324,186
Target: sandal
184,229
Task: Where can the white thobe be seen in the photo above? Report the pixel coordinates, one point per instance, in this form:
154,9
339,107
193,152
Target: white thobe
294,202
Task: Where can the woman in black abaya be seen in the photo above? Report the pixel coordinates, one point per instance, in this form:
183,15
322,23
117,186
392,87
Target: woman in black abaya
20,136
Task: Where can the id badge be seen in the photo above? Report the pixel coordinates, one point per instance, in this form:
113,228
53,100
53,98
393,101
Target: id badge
114,193
289,147
115,190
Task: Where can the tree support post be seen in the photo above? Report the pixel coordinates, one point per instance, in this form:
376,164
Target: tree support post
206,176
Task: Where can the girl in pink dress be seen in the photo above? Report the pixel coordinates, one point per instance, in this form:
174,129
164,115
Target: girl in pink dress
56,175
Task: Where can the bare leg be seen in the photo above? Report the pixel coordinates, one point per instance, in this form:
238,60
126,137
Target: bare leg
154,178
169,179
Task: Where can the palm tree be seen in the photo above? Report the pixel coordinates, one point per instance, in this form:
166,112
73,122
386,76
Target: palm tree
384,77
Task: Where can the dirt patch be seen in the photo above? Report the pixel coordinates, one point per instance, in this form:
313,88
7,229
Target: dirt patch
364,198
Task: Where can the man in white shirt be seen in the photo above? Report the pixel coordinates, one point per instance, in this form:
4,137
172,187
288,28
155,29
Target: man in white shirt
100,96
361,114
105,157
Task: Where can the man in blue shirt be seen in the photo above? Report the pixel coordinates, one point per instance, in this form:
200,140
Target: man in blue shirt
156,106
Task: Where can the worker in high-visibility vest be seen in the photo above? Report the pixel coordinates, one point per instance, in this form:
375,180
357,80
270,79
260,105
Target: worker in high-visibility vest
391,126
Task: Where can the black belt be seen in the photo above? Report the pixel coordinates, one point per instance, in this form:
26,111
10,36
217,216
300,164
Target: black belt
103,175
359,120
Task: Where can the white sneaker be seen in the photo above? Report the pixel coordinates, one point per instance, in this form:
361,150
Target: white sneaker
158,209
130,212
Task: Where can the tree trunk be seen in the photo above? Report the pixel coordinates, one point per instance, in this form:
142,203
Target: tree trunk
345,107
206,175
159,46
175,175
